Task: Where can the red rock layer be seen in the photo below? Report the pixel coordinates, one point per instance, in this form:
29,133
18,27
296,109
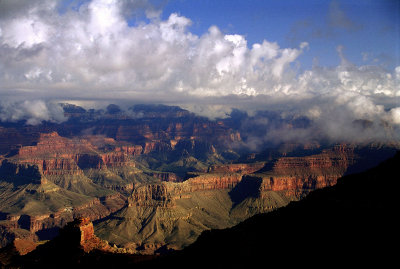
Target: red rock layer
130,150
212,182
154,138
164,194
293,176
331,162
155,146
53,167
53,145
282,183
95,209
55,155
152,195
166,176
24,246
244,168
12,139
300,175
116,159
83,228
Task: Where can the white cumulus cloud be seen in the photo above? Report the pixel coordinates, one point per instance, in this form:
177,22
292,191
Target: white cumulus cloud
91,52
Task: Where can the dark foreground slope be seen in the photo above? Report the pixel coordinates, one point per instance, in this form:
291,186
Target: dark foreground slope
351,223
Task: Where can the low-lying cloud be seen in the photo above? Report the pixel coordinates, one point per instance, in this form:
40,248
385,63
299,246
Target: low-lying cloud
34,112
91,52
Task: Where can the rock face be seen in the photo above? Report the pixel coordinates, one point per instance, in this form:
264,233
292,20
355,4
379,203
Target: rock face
12,138
166,176
21,240
152,177
46,225
24,246
338,220
336,160
243,190
163,194
48,181
82,228
245,168
55,155
75,240
300,175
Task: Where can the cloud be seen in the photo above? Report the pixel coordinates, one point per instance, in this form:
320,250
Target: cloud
395,115
93,52
34,112
95,49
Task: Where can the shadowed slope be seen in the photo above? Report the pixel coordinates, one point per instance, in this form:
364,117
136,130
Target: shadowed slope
351,222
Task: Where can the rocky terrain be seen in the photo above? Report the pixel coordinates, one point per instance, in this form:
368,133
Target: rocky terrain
349,223
154,179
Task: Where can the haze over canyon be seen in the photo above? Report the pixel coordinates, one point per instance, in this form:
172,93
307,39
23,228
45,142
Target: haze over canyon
141,131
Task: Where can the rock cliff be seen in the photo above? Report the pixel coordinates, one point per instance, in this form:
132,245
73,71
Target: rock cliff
335,219
245,168
82,229
153,177
350,223
44,186
243,190
55,155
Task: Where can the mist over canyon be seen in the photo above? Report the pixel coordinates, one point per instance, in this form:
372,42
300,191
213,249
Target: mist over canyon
154,177
93,53
139,129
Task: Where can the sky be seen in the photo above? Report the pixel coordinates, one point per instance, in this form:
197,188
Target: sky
331,61
324,24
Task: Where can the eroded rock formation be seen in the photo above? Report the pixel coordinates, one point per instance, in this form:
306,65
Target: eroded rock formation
161,173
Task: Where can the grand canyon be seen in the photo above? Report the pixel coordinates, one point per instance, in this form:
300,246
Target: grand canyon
152,184
158,133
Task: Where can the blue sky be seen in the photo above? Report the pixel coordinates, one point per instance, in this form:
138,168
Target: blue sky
333,61
369,30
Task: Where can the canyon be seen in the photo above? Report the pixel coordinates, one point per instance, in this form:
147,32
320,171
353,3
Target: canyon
340,224
155,182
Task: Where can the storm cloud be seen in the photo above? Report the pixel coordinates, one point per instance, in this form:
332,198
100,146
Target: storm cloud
92,52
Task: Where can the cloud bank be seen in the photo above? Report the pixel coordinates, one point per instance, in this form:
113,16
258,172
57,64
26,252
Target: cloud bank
93,52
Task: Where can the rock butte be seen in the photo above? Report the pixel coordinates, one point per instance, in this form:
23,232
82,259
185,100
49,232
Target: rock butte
171,170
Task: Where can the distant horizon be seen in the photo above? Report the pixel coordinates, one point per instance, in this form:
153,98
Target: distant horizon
331,61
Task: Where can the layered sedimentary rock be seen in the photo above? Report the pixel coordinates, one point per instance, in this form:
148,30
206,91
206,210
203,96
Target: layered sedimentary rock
17,248
266,186
241,190
94,209
302,174
158,137
130,150
24,246
56,155
245,168
21,240
166,174
291,174
44,186
349,223
336,160
11,139
82,229
217,181
163,194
